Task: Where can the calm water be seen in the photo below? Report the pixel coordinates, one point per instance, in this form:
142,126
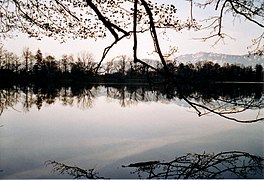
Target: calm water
108,128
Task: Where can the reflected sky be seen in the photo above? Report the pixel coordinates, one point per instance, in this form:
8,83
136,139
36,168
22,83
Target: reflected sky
108,135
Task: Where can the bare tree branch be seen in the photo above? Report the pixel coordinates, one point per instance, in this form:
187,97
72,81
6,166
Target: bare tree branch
155,37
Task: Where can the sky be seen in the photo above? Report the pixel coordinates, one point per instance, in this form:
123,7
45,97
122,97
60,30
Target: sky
242,32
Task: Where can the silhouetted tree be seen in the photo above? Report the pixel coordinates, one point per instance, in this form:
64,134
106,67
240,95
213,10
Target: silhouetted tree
51,66
38,66
66,61
86,62
28,57
259,73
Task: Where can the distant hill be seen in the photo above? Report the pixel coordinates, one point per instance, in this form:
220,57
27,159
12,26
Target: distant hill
246,60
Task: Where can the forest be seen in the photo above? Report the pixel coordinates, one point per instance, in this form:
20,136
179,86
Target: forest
36,68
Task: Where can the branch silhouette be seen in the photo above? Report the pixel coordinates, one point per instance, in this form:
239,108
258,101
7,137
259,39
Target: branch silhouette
233,164
73,171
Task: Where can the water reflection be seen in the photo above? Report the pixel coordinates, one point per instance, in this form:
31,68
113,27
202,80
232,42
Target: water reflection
225,100
231,164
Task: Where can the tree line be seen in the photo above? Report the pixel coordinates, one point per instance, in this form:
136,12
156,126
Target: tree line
35,68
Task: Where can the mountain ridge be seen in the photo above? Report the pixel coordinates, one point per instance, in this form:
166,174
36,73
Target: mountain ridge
246,60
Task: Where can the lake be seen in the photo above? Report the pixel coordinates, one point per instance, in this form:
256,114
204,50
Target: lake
126,131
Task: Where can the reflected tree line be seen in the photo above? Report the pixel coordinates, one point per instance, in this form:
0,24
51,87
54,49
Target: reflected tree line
34,68
225,100
229,164
31,96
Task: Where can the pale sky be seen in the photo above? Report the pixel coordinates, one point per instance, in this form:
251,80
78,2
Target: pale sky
242,32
